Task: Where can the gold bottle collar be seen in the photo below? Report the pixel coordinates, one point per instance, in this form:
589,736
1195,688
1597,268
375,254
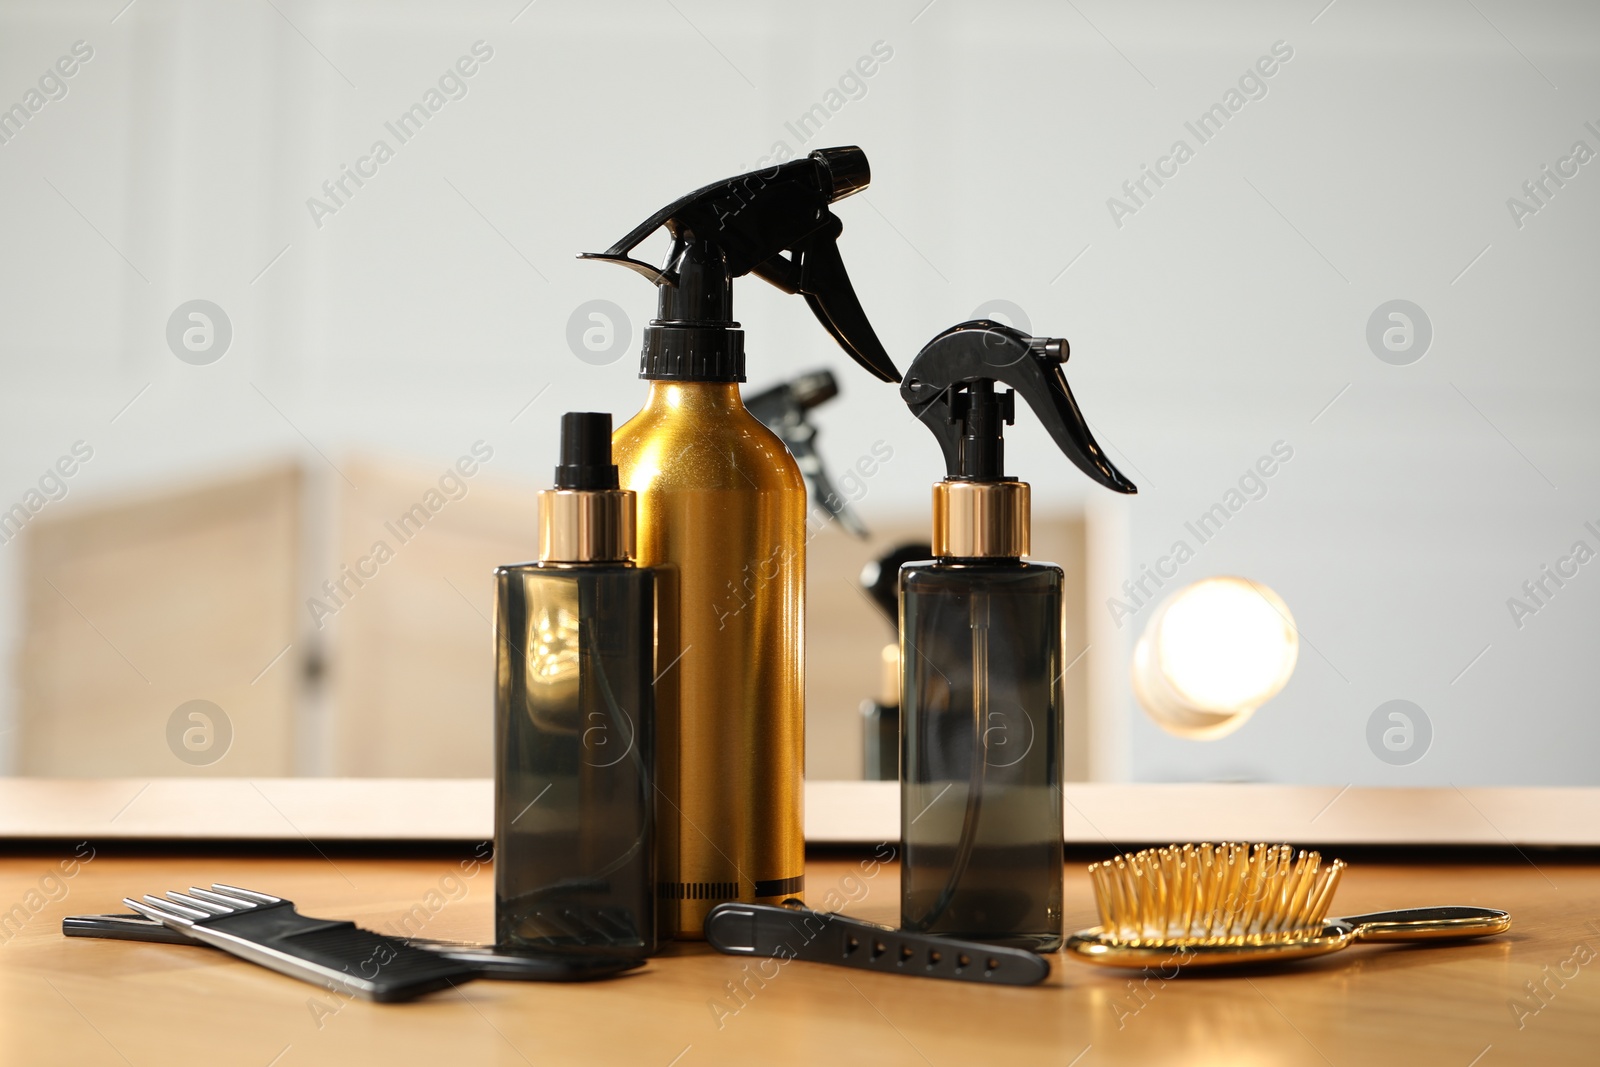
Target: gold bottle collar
973,520
586,525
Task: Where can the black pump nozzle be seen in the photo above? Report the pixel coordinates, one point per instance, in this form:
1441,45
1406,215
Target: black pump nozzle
586,452
950,387
744,225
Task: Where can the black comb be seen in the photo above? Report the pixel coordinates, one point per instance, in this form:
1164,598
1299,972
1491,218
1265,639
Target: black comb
510,963
338,956
828,937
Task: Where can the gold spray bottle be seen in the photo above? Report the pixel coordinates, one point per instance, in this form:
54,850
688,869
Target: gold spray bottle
722,511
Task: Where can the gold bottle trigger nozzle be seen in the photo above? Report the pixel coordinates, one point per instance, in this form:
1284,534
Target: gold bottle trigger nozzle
774,223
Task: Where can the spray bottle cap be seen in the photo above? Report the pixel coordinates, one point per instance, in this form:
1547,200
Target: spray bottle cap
743,225
586,518
979,511
586,452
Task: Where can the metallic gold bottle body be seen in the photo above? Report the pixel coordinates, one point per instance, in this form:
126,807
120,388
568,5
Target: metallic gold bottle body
722,516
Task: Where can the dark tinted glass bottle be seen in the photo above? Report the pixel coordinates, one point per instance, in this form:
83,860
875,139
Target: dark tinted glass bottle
574,750
981,654
575,771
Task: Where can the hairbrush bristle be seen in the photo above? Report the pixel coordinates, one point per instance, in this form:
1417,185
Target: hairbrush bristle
1215,893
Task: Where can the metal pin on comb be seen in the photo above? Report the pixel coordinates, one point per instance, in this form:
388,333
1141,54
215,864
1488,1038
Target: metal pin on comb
1213,905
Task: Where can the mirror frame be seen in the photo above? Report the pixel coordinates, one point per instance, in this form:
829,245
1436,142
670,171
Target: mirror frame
1116,815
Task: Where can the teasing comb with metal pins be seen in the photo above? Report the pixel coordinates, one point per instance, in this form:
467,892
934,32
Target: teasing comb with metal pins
336,955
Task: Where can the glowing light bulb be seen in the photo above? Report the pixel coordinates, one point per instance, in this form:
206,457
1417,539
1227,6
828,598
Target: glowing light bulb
1213,653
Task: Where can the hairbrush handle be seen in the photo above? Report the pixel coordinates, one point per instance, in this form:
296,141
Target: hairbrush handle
828,937
1428,924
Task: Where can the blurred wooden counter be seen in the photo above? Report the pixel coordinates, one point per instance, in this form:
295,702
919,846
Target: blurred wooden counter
94,1002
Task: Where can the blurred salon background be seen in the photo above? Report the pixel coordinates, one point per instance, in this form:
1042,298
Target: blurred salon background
278,273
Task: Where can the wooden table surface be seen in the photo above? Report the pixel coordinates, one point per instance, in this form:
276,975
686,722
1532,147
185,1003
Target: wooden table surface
96,1002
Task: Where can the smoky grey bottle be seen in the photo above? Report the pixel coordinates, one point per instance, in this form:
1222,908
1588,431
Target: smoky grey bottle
981,728
575,864
981,649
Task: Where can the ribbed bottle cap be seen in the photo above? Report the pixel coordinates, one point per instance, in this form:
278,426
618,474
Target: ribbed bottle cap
692,354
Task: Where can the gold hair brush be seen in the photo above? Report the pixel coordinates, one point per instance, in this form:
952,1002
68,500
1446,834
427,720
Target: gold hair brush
1212,905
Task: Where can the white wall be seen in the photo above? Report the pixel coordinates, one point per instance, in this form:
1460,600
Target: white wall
1220,318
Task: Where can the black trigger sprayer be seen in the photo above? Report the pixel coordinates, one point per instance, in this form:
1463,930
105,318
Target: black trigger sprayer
745,225
722,513
981,649
950,387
